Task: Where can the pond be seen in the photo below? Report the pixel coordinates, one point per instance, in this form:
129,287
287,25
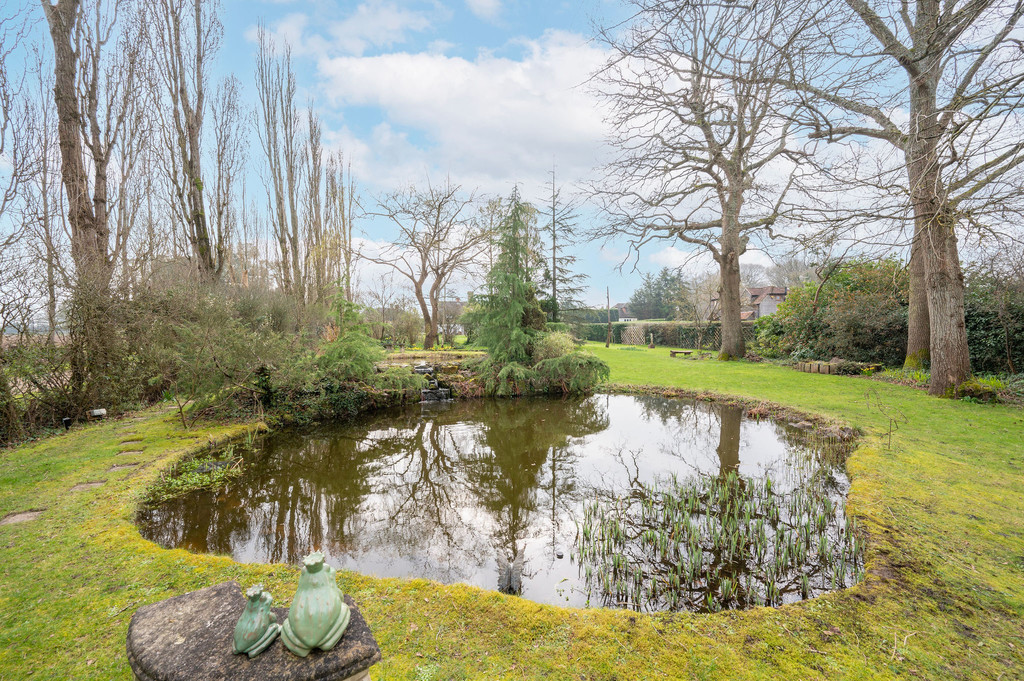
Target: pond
644,502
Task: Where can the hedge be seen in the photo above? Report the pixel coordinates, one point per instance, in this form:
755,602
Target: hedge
672,334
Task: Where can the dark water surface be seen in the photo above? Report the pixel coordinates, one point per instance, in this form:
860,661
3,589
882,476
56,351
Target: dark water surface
485,492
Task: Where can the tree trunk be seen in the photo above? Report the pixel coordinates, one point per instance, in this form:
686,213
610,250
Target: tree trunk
10,423
87,214
88,234
432,336
918,332
728,259
950,359
429,325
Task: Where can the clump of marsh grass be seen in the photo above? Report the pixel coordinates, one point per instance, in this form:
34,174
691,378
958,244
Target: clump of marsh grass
713,542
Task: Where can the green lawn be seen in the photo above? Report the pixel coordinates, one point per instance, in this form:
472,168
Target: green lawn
944,598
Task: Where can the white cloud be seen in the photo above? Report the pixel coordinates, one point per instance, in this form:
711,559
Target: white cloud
487,10
373,24
488,122
377,23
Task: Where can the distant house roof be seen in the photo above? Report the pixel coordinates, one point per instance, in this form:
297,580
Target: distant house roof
759,293
624,310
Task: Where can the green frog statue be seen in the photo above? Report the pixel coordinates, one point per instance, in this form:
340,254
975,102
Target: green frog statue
318,615
257,627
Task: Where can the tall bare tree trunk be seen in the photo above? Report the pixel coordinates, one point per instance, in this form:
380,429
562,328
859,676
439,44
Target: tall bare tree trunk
950,358
728,259
277,121
918,329
89,233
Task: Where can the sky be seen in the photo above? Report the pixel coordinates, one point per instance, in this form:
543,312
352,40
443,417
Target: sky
490,93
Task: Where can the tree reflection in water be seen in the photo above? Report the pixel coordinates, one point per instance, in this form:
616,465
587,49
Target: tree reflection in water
486,492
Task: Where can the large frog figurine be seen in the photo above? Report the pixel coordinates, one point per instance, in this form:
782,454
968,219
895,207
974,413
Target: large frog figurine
257,627
318,616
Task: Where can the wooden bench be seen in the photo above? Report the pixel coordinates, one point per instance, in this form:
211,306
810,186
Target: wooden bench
673,353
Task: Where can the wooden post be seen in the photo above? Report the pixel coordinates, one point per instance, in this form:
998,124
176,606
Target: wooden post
608,295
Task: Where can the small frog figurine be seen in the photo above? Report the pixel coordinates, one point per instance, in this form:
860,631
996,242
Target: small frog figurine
318,615
257,627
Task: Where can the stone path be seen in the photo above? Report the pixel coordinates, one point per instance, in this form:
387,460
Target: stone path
121,467
82,486
22,517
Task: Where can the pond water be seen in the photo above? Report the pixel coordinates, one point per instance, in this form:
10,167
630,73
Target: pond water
645,502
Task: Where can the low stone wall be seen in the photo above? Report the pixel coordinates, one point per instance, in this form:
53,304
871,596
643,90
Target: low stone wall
836,368
816,367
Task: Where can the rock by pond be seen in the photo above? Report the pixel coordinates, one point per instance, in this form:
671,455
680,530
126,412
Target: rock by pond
658,503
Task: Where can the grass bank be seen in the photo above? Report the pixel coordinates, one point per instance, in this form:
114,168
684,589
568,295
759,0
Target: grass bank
944,598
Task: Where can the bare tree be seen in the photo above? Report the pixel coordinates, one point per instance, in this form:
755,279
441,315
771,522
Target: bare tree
40,191
230,154
700,298
313,211
339,216
95,95
183,37
277,125
705,150
953,66
560,216
436,239
99,119
15,144
15,151
381,296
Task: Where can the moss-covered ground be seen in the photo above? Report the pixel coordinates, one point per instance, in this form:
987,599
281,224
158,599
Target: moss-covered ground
944,598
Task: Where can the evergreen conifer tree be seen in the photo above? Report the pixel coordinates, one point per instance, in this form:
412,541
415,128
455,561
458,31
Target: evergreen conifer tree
511,315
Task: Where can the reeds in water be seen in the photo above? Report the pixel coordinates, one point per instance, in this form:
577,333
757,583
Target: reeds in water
709,543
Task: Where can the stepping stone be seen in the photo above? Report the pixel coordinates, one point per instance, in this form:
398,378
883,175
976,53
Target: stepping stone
130,442
82,486
130,451
22,517
121,466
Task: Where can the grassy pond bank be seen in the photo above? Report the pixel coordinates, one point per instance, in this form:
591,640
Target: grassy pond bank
938,486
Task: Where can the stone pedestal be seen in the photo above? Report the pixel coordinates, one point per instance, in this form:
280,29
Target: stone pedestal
189,637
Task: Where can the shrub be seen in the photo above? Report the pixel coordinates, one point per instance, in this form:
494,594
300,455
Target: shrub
574,373
1015,385
552,345
858,314
510,379
353,354
994,315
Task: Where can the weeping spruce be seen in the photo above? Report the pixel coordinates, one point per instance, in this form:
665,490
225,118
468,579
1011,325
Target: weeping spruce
511,321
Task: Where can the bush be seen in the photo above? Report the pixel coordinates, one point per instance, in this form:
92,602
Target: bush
575,373
1015,385
859,314
353,354
552,345
994,314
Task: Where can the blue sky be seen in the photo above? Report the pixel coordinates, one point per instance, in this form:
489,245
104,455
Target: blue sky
490,92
